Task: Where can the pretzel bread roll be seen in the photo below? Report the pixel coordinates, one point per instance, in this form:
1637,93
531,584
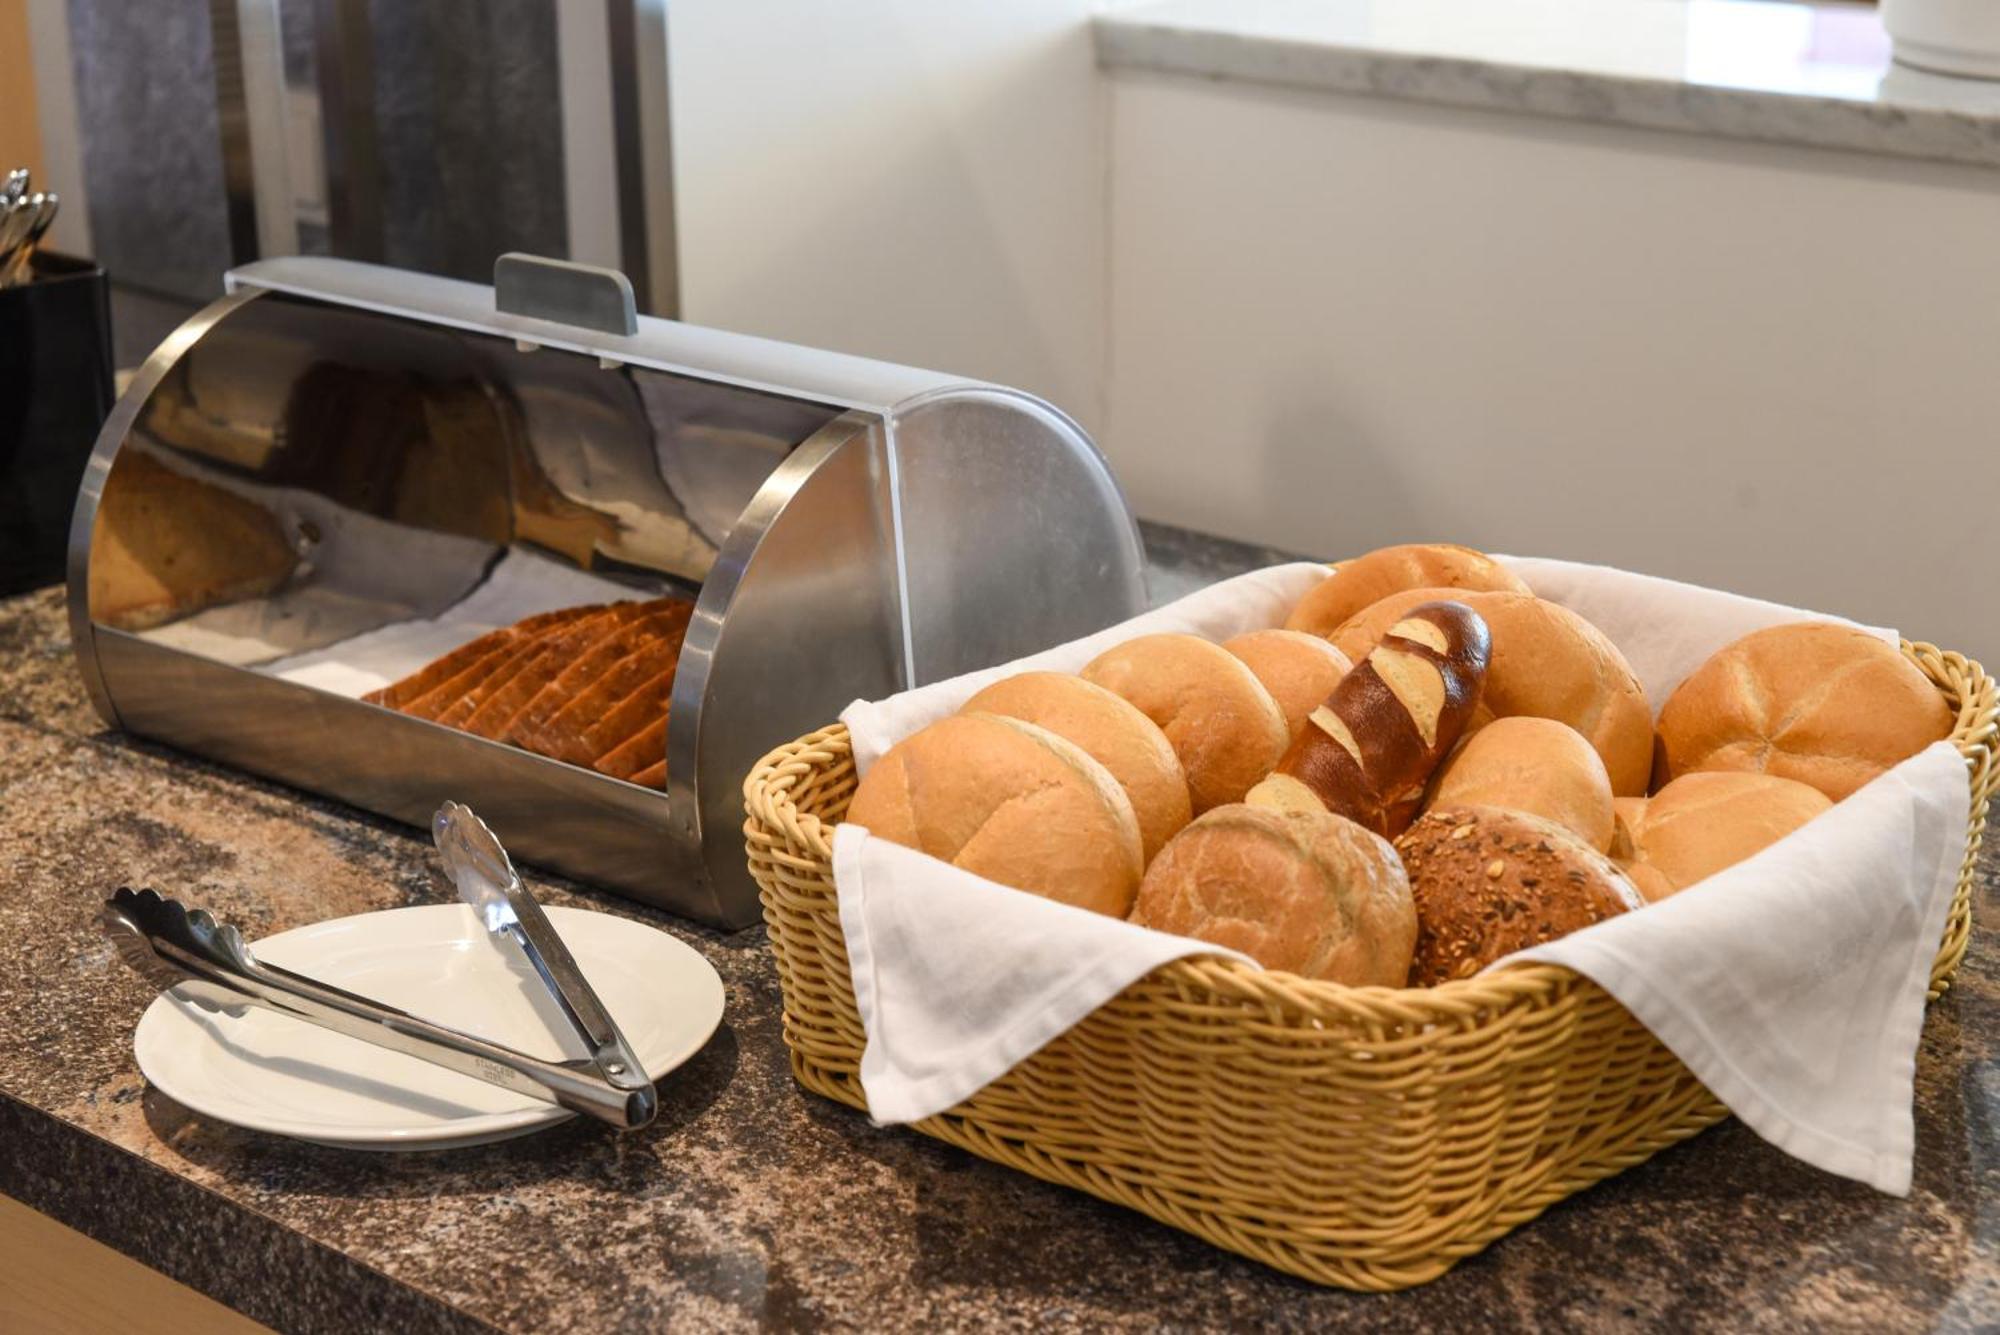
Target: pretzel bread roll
1304,891
1112,732
1221,722
1368,579
1489,882
1703,822
1367,753
1536,765
1548,662
1825,704
1299,670
1011,802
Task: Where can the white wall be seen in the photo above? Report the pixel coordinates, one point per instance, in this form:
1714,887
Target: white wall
916,181
1340,322
1335,322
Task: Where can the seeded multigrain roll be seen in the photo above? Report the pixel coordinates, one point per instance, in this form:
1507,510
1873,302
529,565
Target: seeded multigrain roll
1488,882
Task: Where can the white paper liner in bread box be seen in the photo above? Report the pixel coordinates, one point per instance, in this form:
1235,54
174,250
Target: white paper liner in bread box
1791,984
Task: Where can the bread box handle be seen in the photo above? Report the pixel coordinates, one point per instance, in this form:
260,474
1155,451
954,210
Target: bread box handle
584,295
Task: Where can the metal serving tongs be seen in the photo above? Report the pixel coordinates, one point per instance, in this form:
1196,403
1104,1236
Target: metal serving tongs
213,967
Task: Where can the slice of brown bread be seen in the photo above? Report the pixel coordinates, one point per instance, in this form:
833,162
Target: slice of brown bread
442,699
628,717
653,776
566,736
532,634
519,654
644,749
440,670
529,727
553,650
448,692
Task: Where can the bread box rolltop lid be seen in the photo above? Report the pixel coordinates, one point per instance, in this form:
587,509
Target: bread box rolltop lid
427,450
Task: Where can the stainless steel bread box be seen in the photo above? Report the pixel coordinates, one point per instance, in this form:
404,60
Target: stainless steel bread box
846,528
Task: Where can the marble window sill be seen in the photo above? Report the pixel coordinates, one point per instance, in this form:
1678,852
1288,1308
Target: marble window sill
1818,75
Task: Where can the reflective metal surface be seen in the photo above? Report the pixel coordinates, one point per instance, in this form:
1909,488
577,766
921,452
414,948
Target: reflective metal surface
801,616
872,528
1006,543
479,866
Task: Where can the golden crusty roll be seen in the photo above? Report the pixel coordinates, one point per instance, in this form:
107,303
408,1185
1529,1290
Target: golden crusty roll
1305,891
1299,670
1489,882
1011,802
1367,753
1825,704
1548,662
1536,765
1368,579
1112,732
1703,822
1222,723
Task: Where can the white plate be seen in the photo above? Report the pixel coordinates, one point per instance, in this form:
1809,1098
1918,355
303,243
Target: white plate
271,1072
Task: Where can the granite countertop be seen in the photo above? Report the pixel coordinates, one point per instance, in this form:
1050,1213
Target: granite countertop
751,1203
1778,72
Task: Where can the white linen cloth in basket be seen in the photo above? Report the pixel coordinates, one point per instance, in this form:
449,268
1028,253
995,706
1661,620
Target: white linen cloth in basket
1791,984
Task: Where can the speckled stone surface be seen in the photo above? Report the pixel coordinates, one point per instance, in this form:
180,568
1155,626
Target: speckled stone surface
752,1204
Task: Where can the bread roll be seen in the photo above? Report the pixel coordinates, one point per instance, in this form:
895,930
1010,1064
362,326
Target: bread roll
1536,765
1304,891
1222,723
1011,802
1368,579
1825,704
1489,882
1548,662
1111,732
1299,670
1703,822
1370,749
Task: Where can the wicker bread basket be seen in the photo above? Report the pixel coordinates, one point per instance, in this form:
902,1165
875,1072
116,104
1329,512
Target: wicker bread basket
1362,1137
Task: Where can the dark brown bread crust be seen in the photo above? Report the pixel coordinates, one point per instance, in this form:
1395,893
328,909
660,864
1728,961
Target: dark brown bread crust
1489,882
1368,752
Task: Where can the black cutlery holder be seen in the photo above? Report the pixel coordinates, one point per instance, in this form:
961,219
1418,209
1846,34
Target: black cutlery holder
55,390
